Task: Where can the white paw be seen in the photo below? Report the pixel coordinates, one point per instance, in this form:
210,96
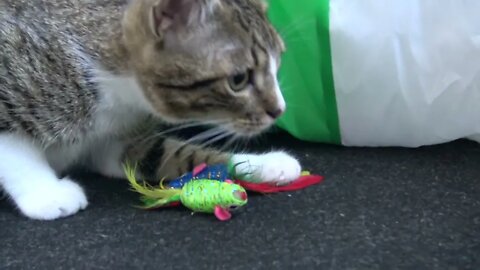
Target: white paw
277,167
51,201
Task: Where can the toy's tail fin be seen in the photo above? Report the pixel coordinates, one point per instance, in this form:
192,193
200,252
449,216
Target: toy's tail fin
150,194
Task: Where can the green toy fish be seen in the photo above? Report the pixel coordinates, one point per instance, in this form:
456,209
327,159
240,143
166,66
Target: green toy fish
202,195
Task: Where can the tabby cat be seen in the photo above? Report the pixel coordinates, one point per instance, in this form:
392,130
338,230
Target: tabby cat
92,82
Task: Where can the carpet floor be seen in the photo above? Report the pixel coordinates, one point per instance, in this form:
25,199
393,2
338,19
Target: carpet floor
379,208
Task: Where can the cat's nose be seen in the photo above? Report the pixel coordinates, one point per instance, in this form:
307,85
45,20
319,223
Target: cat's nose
275,113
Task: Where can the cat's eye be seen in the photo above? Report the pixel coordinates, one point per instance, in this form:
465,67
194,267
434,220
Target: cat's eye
240,81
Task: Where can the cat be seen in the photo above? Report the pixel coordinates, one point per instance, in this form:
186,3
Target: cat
93,82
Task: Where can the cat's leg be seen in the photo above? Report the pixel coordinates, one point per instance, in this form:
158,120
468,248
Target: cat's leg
169,158
106,157
27,178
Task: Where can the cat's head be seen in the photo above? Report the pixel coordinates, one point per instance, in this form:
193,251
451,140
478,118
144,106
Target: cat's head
207,60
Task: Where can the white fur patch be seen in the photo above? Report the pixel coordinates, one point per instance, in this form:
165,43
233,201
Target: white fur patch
105,157
277,167
121,98
28,172
122,102
273,69
53,200
121,106
27,177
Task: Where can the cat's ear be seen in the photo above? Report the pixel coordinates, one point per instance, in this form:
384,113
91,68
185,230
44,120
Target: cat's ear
173,14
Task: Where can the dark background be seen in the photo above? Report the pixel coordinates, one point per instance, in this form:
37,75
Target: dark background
387,208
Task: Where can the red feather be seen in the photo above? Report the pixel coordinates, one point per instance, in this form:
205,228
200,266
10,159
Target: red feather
301,183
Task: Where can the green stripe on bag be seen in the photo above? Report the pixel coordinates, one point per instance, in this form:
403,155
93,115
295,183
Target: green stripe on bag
306,74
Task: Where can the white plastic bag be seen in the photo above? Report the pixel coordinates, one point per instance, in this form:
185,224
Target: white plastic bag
406,72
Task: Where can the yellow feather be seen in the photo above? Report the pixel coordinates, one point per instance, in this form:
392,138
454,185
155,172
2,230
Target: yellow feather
147,190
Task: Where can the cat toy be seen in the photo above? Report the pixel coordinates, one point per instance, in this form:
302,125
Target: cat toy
222,172
201,195
208,189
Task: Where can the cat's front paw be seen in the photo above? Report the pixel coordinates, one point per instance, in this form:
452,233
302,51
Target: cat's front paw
277,167
59,199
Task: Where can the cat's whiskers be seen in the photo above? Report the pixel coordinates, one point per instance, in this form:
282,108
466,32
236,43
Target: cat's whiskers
217,138
225,133
296,25
214,139
213,132
164,133
230,141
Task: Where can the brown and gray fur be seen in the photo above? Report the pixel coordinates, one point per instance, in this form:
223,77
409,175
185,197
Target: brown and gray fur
53,54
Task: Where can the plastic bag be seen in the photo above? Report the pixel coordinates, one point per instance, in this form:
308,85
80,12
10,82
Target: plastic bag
404,73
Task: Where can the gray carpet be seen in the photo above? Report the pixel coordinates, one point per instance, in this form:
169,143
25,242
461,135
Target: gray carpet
377,209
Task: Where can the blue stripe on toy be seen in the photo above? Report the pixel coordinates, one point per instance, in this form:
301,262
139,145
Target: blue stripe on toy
214,172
